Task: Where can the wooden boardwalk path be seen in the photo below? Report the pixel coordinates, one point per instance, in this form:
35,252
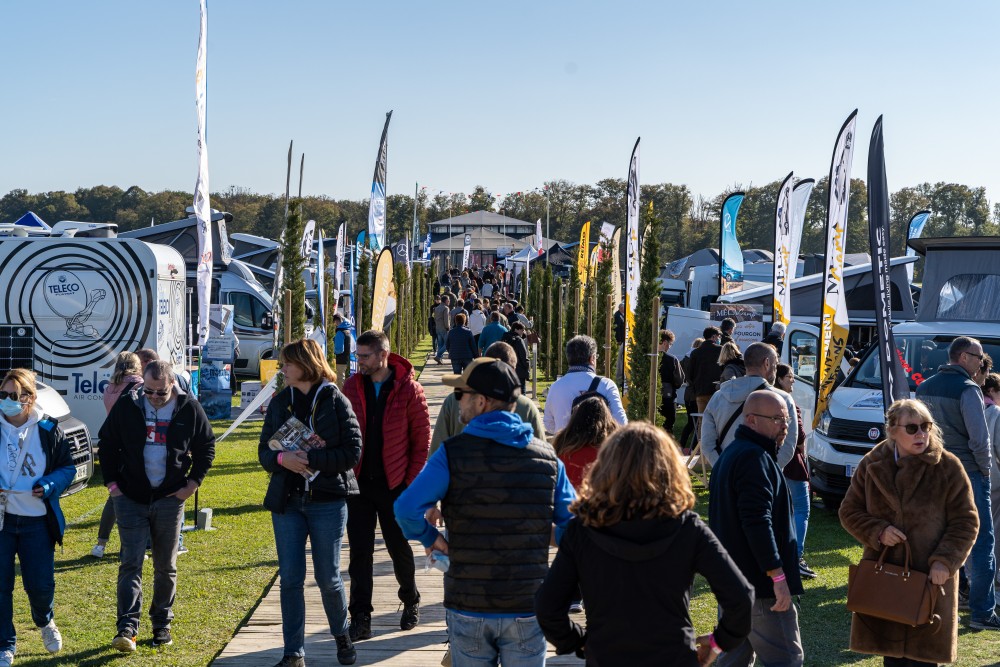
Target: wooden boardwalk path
259,644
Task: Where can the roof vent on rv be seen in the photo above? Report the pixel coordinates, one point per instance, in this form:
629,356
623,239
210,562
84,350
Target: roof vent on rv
88,230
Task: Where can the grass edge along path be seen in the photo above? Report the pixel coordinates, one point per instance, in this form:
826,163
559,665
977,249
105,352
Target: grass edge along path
220,581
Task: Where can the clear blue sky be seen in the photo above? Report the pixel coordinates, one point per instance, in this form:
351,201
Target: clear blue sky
503,94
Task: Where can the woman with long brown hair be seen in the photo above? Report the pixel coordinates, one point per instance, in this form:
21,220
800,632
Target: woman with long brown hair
589,424
307,493
634,547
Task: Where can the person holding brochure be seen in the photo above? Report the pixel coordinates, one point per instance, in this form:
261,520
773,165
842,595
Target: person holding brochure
315,509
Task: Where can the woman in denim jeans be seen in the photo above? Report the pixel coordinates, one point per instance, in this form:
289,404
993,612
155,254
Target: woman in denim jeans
797,474
307,493
35,468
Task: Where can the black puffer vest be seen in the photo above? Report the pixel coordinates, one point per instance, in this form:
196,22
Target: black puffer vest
499,515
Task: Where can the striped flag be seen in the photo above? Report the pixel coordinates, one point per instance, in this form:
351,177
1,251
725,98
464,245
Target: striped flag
202,207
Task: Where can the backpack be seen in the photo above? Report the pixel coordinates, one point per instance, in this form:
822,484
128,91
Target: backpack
591,391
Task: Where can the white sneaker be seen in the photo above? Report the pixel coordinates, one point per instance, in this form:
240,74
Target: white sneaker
6,658
51,637
97,551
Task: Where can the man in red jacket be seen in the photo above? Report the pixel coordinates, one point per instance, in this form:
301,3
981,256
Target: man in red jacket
396,435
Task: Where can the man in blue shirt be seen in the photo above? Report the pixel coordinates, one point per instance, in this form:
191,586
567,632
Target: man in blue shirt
501,490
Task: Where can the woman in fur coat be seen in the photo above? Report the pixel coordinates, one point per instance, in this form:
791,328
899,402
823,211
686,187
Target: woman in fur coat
909,489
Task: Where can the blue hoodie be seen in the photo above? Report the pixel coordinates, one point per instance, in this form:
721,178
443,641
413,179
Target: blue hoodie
431,485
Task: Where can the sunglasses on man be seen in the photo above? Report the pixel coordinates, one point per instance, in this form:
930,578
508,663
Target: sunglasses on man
158,392
459,393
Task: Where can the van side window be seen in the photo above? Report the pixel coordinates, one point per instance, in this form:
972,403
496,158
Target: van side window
247,311
802,354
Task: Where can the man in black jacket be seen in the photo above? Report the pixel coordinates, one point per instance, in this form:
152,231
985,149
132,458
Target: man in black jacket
705,369
671,379
750,512
156,448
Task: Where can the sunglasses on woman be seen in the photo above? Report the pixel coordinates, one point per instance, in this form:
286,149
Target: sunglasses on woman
14,396
913,428
158,392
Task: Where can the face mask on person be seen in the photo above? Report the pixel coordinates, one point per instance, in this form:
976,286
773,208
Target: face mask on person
10,408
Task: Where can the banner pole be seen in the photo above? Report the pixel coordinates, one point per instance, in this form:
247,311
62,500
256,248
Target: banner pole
653,358
562,333
607,336
591,306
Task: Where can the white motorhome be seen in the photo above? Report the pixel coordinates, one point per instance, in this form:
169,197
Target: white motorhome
233,283
72,303
960,296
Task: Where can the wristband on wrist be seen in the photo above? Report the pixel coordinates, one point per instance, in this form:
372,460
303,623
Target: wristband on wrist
715,647
280,454
778,578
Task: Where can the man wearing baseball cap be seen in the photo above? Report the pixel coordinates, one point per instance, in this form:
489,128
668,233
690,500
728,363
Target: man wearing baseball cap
501,490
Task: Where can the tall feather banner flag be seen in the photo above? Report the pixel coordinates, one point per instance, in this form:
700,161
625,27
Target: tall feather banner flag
783,262
582,252
730,255
538,237
341,248
202,207
913,231
631,254
466,251
833,320
376,205
319,320
595,258
382,288
894,382
800,202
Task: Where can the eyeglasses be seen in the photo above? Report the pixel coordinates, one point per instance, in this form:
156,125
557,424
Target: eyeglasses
459,393
14,396
973,354
777,419
159,392
913,428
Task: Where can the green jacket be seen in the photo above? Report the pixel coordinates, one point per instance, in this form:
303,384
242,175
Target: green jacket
448,422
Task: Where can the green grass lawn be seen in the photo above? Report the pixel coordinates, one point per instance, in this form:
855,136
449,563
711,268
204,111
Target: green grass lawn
220,580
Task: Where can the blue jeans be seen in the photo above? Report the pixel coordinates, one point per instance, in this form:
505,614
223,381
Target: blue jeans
323,523
28,537
799,491
458,365
981,566
158,523
480,642
442,343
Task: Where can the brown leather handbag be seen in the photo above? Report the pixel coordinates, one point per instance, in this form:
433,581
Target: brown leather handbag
892,592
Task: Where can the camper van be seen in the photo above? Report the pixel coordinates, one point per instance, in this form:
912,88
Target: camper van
72,303
960,296
233,283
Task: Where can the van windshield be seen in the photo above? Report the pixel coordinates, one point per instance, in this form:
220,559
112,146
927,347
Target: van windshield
921,355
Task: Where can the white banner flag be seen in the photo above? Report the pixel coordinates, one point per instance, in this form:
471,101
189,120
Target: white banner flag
800,202
319,324
308,237
466,251
631,255
834,323
538,236
784,264
339,270
202,207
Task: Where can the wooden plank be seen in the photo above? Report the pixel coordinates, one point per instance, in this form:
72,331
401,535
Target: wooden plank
258,643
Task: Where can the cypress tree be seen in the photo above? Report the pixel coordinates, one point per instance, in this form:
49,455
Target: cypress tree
363,293
292,266
649,289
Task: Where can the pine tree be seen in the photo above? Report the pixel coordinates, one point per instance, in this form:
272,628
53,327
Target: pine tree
601,289
292,266
649,289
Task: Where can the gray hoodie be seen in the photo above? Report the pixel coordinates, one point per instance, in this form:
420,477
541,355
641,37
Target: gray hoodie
726,402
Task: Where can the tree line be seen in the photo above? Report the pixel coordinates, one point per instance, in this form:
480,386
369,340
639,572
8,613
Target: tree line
684,223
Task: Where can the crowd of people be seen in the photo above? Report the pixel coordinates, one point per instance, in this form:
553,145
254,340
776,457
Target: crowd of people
494,482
